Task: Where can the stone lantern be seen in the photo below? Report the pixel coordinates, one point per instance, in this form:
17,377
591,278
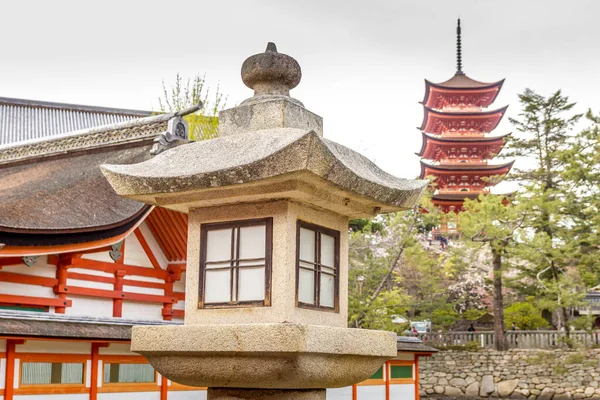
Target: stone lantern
267,266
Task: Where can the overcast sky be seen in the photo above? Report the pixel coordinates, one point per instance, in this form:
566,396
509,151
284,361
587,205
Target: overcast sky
363,62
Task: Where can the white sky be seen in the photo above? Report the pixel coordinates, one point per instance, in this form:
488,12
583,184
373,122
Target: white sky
363,62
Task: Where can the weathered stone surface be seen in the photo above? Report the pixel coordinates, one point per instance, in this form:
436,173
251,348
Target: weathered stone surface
453,391
458,382
506,388
264,394
438,389
562,396
487,386
546,394
589,391
472,390
205,355
179,178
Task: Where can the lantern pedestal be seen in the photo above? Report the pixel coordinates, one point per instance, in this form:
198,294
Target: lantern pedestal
259,356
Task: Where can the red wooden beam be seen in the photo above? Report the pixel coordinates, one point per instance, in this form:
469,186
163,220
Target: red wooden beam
34,301
111,280
27,279
160,236
5,261
171,237
147,249
115,294
112,268
118,301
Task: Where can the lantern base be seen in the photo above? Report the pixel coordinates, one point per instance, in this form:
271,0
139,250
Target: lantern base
264,356
265,394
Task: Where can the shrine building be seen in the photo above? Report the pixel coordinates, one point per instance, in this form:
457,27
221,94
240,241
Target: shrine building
457,142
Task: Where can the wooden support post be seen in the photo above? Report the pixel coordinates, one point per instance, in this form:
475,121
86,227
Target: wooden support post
387,377
94,369
167,310
354,392
164,388
61,287
118,287
417,377
9,381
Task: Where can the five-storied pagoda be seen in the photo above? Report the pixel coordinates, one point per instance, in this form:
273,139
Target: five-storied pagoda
456,140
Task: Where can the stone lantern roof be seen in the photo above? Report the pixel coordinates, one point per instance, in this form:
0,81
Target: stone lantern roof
270,147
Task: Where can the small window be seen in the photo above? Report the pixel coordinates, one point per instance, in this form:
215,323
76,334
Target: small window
235,264
129,373
317,267
401,372
46,373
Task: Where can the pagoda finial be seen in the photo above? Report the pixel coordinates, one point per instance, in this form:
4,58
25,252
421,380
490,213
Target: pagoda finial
458,50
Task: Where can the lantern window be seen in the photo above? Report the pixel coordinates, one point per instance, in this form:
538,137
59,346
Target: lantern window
235,264
317,267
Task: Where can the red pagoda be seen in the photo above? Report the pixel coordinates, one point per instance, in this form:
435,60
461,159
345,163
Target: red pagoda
457,144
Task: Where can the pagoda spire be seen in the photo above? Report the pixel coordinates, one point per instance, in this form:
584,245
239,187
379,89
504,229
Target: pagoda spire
458,51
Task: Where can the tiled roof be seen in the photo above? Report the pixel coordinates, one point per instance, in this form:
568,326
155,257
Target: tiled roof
25,120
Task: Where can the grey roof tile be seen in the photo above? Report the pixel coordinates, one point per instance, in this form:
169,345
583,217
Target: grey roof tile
23,120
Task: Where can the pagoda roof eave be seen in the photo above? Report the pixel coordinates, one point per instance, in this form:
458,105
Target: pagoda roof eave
487,169
474,85
459,140
428,111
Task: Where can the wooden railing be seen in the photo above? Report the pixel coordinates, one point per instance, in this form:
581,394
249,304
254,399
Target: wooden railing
516,339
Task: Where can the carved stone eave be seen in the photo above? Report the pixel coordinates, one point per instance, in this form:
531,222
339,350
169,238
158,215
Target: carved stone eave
262,165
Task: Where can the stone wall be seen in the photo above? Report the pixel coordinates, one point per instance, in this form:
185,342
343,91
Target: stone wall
518,374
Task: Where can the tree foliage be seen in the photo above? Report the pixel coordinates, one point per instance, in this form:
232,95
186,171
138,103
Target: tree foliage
187,93
525,316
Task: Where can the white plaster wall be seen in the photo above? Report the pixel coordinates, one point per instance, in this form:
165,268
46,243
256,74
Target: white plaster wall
102,256
52,397
402,392
89,284
130,396
2,372
117,349
139,310
371,392
40,269
145,279
89,306
187,395
154,246
344,393
143,290
21,289
135,254
52,347
91,272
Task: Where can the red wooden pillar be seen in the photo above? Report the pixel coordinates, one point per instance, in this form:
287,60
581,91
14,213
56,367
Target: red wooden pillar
416,377
9,381
354,392
387,379
94,369
164,388
118,302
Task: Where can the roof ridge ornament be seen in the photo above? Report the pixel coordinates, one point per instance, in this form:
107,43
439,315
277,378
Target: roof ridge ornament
458,50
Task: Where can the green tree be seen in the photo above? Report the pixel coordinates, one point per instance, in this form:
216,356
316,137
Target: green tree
493,222
524,315
543,143
184,94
